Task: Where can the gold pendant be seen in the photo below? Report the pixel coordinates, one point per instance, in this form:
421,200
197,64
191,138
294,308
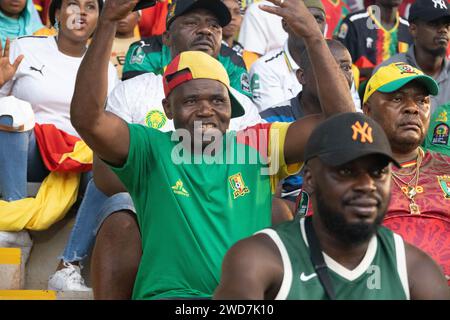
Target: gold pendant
414,208
411,192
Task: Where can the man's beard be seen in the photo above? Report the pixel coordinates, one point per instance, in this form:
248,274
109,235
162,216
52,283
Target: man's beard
438,52
348,234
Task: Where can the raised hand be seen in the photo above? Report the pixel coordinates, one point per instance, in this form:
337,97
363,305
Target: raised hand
7,70
296,15
115,10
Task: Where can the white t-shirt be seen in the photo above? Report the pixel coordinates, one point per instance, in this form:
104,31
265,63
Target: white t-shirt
46,79
273,78
261,31
139,100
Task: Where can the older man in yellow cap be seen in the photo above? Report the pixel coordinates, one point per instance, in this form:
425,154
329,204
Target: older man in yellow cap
398,97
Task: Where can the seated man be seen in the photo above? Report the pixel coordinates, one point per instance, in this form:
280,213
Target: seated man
306,103
230,31
125,36
137,100
153,54
260,33
347,173
374,35
274,76
397,97
429,25
176,202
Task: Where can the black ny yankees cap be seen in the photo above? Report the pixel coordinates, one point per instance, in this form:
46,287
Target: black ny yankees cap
345,137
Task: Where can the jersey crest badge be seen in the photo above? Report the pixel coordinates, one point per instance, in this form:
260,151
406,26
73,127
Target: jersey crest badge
444,182
238,185
255,86
440,134
138,55
405,68
155,119
245,82
442,116
179,189
343,31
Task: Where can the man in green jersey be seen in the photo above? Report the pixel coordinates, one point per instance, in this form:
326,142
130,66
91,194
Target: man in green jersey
341,251
191,211
153,54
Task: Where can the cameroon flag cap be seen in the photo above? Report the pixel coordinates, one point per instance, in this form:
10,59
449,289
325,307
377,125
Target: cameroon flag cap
191,65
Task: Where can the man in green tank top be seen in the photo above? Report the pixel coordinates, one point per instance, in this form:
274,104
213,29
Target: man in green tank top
190,212
347,176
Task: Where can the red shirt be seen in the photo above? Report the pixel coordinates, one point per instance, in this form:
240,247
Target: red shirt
336,10
153,20
429,230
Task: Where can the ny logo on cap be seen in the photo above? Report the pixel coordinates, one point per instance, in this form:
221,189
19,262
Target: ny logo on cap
439,3
364,131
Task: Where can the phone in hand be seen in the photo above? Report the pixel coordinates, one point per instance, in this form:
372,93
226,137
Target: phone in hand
142,4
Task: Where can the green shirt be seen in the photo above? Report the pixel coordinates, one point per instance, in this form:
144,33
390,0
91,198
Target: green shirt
151,55
381,275
437,136
191,214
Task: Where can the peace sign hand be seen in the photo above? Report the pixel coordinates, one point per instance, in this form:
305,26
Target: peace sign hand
7,70
296,15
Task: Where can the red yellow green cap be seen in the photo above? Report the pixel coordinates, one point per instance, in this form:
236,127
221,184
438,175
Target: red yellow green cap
394,76
191,65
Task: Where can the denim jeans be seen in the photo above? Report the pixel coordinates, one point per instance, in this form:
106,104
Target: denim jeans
20,162
94,209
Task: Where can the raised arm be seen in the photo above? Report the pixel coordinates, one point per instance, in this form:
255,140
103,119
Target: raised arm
333,91
7,70
104,132
252,269
426,280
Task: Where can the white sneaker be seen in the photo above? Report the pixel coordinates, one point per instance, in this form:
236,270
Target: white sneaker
67,279
19,239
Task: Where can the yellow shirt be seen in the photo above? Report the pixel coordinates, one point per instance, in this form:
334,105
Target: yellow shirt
119,51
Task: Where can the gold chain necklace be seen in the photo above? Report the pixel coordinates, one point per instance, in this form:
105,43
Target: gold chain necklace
411,191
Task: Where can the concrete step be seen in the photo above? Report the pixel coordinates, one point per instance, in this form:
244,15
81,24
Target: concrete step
74,295
12,271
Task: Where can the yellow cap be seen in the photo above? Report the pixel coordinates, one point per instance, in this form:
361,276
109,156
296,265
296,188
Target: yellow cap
191,65
394,76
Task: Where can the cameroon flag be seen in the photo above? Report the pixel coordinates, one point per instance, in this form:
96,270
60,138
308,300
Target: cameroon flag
66,156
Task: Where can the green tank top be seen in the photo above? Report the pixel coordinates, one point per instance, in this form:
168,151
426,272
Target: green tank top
381,275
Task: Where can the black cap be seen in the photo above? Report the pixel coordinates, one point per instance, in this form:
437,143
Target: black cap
345,137
428,10
181,7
